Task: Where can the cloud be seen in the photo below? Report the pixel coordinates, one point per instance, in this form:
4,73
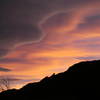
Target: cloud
2,69
88,58
11,79
13,60
90,25
20,20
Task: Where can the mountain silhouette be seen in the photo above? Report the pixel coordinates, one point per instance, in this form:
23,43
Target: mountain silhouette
80,82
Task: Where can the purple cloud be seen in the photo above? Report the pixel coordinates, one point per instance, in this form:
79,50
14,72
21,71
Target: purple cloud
20,19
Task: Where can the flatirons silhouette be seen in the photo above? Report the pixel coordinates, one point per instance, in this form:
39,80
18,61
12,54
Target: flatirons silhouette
80,82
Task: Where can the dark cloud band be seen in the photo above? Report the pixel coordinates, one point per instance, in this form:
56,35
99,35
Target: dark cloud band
2,69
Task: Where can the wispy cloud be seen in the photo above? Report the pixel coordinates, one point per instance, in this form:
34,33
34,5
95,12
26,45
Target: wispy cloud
89,58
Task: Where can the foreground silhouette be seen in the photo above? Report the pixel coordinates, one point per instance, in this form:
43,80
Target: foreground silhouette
79,82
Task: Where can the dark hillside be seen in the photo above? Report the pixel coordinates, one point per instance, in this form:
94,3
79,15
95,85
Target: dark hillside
80,82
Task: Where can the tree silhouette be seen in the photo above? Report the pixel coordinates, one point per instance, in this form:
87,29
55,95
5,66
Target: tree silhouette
4,83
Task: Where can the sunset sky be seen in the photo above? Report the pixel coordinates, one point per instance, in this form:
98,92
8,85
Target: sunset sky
42,37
